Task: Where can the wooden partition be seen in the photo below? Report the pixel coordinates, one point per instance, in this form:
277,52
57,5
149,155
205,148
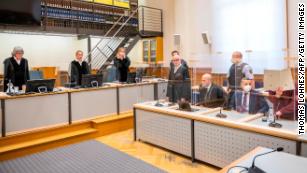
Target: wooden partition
218,78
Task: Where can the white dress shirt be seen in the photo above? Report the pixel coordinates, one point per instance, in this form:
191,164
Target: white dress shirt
18,61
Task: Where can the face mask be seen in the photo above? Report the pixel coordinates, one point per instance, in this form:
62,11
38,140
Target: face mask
247,88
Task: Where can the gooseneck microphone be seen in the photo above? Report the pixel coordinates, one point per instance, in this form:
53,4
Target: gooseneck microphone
255,169
220,114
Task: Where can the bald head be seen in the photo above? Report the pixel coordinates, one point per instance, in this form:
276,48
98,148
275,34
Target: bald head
236,57
206,80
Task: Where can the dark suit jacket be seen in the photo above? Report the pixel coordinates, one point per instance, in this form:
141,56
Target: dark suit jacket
122,67
183,63
76,73
179,85
257,103
213,97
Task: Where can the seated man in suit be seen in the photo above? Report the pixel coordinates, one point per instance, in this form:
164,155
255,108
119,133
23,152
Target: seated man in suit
247,100
179,85
211,95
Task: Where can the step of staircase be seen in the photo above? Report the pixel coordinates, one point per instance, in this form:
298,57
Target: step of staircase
45,140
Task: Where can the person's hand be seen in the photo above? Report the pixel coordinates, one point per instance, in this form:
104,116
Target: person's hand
278,114
279,92
227,90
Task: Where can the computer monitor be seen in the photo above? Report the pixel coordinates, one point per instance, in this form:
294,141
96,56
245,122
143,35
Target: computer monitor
139,74
41,85
131,77
91,80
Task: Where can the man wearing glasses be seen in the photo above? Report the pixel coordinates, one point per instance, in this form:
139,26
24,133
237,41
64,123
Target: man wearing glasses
179,85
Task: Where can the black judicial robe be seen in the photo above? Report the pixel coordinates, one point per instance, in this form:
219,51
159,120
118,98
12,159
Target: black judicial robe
179,84
17,73
77,70
122,67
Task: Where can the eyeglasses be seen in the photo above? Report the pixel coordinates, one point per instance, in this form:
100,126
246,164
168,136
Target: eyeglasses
175,59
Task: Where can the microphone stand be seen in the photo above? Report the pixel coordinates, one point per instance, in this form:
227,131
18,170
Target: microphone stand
220,114
275,124
255,169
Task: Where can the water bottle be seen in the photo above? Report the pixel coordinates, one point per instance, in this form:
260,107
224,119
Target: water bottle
271,115
10,87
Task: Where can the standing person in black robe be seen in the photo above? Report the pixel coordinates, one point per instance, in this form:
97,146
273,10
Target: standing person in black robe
122,64
183,62
16,69
179,84
78,67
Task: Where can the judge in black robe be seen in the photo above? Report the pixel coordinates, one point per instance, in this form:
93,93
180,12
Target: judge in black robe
16,69
122,64
179,84
78,67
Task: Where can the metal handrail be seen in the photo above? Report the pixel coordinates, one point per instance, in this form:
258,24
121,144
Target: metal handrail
99,62
109,31
103,52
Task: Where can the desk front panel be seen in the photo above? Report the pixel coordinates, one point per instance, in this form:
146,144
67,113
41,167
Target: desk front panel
129,95
169,132
220,145
304,149
36,112
1,119
90,104
162,89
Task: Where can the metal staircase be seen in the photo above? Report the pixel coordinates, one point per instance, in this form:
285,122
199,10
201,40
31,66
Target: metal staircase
121,34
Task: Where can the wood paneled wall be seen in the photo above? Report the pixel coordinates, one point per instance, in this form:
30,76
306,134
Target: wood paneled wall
198,72
195,74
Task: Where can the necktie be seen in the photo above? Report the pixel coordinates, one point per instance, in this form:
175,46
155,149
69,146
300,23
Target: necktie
207,93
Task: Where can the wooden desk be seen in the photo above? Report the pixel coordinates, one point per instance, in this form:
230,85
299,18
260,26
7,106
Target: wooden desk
26,112
244,157
278,162
212,140
35,111
89,103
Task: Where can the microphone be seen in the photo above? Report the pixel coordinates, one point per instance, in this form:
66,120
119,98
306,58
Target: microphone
255,169
220,114
274,123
